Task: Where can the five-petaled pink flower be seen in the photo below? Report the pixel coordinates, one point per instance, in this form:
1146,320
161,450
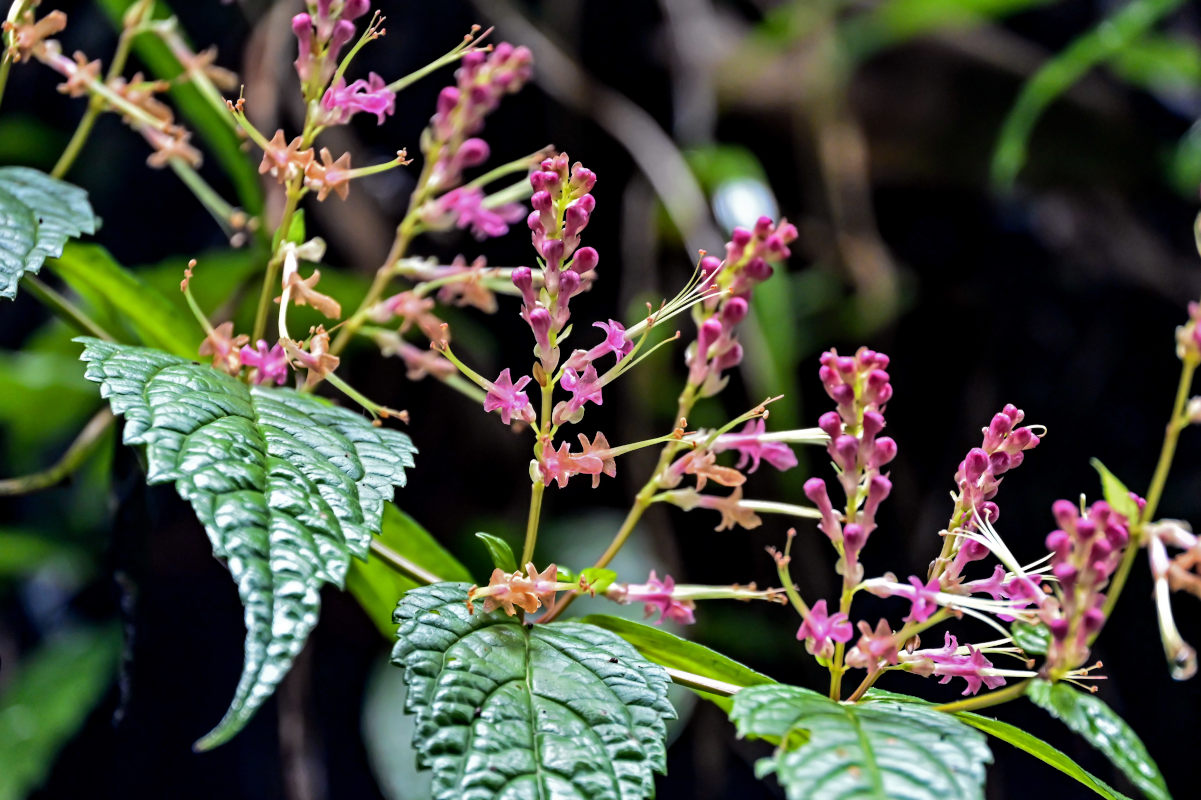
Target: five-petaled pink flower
583,387
508,398
820,630
657,595
270,365
371,95
751,448
924,601
615,340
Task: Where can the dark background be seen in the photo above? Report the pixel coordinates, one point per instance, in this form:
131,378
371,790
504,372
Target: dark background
1060,296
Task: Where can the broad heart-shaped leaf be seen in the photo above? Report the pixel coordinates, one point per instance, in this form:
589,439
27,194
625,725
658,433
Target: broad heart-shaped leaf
37,216
505,711
1090,717
1019,739
879,750
287,486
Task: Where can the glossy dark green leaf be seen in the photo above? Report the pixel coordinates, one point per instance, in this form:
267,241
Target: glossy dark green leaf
1016,737
1115,492
504,710
1089,716
682,656
378,587
288,488
499,551
1034,639
1042,751
126,299
38,214
882,750
49,696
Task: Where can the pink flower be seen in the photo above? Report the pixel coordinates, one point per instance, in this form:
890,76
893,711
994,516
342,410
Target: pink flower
752,449
615,341
948,663
371,95
466,206
583,387
820,630
270,365
508,398
924,601
657,596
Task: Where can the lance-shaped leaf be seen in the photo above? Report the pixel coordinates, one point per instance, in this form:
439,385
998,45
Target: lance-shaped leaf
1089,716
37,216
287,486
875,750
505,710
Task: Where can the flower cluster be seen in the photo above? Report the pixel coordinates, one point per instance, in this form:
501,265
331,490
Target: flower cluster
746,265
321,32
1085,550
449,143
860,387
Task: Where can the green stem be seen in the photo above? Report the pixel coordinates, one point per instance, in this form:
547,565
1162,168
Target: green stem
64,308
213,202
1011,692
95,105
1167,452
531,527
403,565
702,683
5,65
83,446
273,266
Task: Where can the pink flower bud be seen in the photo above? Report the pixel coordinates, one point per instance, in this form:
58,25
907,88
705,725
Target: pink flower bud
734,311
974,466
873,423
353,9
710,265
586,259
1059,542
343,33
885,451
845,451
473,152
831,424
1065,514
540,324
523,279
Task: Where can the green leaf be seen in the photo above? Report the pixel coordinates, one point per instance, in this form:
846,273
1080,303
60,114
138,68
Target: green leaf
1104,42
499,551
50,696
682,656
91,271
896,21
378,587
882,749
1115,492
1042,751
37,216
287,486
505,710
1034,639
1087,715
1016,737
598,579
